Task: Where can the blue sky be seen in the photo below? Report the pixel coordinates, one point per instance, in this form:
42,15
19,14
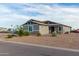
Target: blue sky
19,13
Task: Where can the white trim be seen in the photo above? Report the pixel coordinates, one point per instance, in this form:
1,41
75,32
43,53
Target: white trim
32,27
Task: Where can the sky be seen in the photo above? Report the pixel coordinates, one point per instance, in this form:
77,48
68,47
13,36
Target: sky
18,13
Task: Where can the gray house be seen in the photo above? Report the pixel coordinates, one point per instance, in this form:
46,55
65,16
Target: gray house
45,27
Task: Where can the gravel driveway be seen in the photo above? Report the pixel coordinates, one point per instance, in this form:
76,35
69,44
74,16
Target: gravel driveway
64,40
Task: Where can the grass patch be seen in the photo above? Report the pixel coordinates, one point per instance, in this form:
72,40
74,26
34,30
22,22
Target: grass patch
9,36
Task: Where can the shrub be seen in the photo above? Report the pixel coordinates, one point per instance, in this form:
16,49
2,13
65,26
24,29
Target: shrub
21,31
66,32
9,36
26,33
38,34
54,33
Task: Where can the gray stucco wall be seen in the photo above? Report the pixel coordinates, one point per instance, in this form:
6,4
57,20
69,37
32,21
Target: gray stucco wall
66,29
44,30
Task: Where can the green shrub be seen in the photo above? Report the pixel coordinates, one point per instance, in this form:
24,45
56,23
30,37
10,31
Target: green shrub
26,33
9,36
66,32
54,33
21,31
38,34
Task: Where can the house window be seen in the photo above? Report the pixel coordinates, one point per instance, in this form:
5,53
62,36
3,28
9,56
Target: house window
35,27
26,27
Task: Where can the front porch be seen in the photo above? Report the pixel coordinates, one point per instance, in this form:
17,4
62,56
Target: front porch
55,28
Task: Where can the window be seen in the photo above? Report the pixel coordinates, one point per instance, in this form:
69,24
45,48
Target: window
26,27
35,27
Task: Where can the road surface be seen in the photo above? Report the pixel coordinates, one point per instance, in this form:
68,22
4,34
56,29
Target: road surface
14,49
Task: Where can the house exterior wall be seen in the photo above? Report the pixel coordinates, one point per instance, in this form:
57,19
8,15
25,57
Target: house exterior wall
3,29
66,29
43,30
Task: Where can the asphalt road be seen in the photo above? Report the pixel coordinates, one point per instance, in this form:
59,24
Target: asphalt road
13,49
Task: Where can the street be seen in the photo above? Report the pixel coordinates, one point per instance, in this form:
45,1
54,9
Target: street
14,49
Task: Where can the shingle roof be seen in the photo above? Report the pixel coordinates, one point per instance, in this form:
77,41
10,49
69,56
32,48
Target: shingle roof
49,23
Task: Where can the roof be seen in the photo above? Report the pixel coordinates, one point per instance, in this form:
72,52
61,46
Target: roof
48,23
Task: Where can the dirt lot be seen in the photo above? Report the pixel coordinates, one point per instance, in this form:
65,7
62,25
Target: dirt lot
65,40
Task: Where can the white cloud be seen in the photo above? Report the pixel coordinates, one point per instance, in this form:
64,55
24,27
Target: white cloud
55,13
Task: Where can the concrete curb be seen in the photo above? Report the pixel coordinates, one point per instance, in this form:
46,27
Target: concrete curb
43,46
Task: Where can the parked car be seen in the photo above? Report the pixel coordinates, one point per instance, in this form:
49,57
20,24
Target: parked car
75,31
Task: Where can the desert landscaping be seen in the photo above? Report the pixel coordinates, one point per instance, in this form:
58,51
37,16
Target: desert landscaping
70,40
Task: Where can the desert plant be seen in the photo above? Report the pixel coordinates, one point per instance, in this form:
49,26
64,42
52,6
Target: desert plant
54,33
66,32
9,36
26,33
21,31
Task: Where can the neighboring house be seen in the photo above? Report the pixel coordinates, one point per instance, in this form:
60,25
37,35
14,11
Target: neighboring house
75,31
45,27
3,29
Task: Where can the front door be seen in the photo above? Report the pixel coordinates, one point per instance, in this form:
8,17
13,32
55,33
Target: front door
51,29
30,28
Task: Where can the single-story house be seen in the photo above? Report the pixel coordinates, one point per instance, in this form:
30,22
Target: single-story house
45,27
3,30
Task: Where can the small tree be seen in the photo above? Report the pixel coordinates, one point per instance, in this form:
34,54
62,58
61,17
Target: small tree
21,31
9,36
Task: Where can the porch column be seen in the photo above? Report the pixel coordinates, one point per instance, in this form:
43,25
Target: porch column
49,30
56,28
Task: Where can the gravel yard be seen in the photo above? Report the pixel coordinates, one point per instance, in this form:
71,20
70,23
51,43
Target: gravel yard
64,40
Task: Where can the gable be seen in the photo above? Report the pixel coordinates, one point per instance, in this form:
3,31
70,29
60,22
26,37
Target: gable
29,22
47,23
